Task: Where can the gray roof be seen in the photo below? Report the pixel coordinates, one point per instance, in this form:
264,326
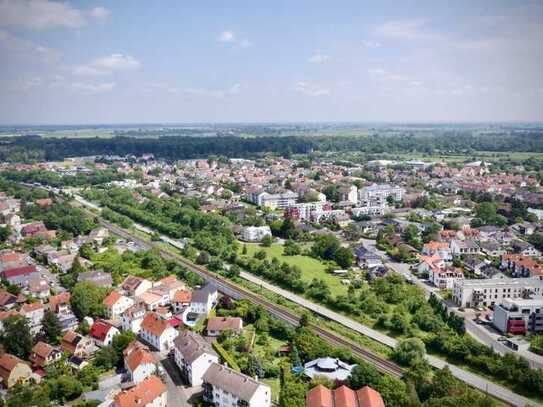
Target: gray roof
231,381
328,367
192,345
203,294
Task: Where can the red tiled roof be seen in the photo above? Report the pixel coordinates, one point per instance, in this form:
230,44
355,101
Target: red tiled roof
319,396
99,329
154,324
142,394
369,397
19,271
112,298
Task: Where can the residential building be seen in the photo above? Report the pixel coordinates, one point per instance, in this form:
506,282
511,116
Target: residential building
225,387
320,396
255,233
203,300
463,247
488,292
151,392
34,312
366,258
216,325
134,285
193,355
44,354
519,316
276,201
116,304
138,362
77,345
348,193
13,370
442,249
520,266
20,275
379,193
157,332
444,278
181,300
132,318
103,332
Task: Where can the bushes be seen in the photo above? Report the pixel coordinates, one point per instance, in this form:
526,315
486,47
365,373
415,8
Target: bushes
226,357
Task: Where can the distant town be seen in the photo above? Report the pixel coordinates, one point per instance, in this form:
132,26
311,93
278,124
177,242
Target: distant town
134,280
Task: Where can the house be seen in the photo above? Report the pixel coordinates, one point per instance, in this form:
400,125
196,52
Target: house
98,236
463,247
20,275
320,396
492,248
77,345
5,315
442,249
225,387
203,300
152,301
99,278
139,362
151,392
331,368
444,278
34,312
60,305
39,288
157,332
7,300
135,286
429,263
520,266
524,248
367,258
13,370
132,318
116,304
216,325
193,355
181,300
255,233
44,354
103,332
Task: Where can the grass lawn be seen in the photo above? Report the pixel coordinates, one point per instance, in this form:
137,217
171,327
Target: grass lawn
311,268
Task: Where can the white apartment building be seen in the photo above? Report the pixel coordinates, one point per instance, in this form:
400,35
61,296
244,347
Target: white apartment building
225,387
193,355
488,292
378,193
255,233
276,201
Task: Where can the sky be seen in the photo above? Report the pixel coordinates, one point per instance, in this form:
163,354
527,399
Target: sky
183,61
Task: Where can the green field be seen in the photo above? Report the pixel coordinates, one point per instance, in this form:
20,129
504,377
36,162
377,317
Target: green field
311,268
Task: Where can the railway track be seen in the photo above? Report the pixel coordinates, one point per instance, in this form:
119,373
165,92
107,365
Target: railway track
280,312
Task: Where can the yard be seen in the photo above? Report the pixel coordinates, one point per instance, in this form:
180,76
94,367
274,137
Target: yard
311,268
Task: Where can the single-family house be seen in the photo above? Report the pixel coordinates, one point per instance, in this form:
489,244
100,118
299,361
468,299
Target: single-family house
193,355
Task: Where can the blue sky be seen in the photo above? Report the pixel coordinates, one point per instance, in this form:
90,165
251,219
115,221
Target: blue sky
217,61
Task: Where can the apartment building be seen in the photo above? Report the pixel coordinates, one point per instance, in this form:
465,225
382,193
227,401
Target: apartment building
308,210
225,387
489,292
255,233
379,193
519,316
276,201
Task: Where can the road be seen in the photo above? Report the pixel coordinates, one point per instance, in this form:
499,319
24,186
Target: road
474,380
178,395
485,334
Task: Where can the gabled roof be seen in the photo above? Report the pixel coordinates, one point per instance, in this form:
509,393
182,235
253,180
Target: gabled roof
56,300
153,324
137,354
19,271
369,397
112,298
192,346
142,394
100,329
222,323
319,396
7,364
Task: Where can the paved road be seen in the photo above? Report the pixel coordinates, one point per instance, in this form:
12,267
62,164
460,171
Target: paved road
177,394
470,378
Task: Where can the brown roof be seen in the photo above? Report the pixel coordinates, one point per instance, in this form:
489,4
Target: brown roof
345,397
192,346
369,397
7,364
154,324
319,396
224,323
69,341
142,394
112,298
139,355
56,300
183,296
31,307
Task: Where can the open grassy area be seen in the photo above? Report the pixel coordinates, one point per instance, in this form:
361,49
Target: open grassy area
311,268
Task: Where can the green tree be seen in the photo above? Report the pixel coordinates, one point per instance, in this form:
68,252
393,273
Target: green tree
4,233
106,358
16,337
344,257
409,351
87,299
267,241
51,328
364,374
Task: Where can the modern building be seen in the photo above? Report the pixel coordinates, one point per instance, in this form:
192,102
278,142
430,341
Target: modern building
519,316
331,368
193,355
488,292
276,201
225,387
255,233
378,193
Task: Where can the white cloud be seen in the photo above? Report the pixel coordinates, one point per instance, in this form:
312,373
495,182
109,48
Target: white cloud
319,58
93,87
20,49
39,15
100,13
107,65
402,29
371,44
227,36
310,89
